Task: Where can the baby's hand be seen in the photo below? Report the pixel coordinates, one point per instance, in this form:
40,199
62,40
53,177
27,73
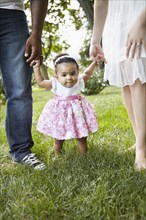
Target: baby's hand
99,59
35,63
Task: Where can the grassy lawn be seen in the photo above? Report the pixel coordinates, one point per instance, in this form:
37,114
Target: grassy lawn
100,186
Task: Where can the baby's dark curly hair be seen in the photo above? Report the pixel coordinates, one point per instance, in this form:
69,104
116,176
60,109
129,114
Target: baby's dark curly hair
64,58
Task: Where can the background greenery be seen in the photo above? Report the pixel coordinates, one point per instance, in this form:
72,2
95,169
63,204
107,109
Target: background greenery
96,83
102,185
60,13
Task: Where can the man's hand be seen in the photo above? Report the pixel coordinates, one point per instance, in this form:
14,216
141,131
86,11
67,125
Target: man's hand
33,49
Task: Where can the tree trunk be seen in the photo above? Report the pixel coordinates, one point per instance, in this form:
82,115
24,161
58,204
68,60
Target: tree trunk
88,9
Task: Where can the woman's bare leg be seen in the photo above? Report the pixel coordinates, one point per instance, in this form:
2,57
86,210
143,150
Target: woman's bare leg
138,97
126,93
83,145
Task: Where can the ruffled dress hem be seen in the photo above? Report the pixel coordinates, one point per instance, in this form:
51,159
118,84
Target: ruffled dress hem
126,73
66,137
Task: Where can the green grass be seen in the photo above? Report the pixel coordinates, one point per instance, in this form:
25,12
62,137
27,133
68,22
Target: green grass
102,185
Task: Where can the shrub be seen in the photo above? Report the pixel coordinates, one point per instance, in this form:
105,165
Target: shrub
96,84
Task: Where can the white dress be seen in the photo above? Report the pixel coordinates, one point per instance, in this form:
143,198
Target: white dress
121,16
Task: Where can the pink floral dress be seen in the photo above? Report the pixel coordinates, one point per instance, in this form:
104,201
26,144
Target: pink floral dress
67,115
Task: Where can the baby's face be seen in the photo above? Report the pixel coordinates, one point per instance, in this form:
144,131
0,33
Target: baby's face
67,74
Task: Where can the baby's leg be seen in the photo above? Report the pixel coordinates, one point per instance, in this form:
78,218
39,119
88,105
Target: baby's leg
58,146
83,145
138,94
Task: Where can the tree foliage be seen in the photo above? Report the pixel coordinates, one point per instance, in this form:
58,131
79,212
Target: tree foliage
59,11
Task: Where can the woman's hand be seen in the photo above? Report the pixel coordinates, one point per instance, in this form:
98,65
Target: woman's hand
136,39
96,53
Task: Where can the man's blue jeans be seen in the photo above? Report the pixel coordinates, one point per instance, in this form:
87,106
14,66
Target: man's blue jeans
16,75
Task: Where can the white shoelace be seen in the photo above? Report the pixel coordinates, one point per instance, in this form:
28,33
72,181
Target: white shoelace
32,161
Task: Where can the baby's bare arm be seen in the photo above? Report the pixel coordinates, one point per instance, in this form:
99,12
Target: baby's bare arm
89,71
47,84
